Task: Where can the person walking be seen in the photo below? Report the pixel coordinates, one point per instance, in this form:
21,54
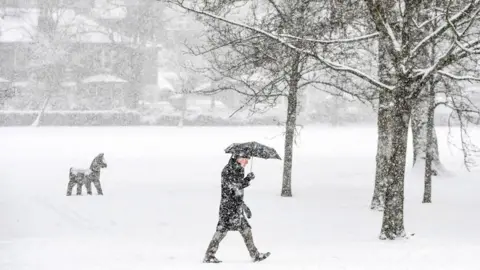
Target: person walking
233,209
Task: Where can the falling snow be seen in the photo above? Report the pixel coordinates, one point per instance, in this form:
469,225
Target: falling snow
348,113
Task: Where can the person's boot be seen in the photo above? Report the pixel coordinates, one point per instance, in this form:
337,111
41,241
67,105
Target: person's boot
252,249
261,256
211,259
213,247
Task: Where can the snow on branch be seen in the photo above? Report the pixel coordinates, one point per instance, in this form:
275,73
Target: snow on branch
449,57
425,73
466,47
281,40
460,78
455,18
465,112
393,39
458,55
423,24
459,36
376,11
277,8
334,41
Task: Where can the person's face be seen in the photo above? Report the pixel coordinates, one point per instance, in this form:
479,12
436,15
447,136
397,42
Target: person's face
243,161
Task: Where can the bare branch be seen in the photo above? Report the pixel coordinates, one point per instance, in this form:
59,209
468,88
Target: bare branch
280,13
461,107
335,41
330,64
440,30
460,78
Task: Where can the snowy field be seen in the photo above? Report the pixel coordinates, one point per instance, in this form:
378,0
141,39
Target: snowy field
162,193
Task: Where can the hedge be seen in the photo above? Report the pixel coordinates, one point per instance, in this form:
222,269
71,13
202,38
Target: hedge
70,118
119,118
135,118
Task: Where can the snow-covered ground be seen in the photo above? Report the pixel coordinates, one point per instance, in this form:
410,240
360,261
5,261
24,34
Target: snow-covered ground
161,201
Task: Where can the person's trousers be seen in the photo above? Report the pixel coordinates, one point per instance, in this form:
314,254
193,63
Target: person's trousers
219,236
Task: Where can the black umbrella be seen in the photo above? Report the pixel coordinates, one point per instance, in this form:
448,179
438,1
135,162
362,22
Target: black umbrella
253,149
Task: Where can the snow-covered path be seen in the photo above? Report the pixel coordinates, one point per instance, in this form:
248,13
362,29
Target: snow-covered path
162,192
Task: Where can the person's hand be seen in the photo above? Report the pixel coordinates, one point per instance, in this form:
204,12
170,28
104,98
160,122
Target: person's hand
247,211
250,176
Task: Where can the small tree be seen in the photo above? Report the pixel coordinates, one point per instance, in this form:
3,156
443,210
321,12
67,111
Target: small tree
259,69
49,50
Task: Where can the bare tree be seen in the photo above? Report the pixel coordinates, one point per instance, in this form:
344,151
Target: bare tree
413,75
263,70
422,129
431,143
384,123
49,50
420,133
145,26
465,112
52,42
403,40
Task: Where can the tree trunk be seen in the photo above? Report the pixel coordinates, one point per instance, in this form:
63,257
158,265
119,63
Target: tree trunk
422,110
427,193
136,83
184,111
36,123
392,225
384,120
420,116
430,147
212,103
289,137
383,142
431,144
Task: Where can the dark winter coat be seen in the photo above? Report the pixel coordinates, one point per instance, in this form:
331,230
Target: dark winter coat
231,212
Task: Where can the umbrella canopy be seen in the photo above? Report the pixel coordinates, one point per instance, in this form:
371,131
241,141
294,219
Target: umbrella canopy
253,149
